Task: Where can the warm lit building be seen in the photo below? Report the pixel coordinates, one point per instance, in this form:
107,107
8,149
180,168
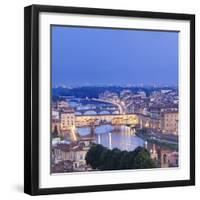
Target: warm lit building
67,119
130,119
169,122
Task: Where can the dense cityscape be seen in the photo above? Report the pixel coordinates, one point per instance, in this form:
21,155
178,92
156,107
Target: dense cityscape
114,127
114,99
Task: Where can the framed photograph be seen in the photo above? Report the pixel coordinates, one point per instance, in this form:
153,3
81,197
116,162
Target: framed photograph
109,100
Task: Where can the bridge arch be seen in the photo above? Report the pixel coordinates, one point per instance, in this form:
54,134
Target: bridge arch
90,112
104,112
78,113
116,112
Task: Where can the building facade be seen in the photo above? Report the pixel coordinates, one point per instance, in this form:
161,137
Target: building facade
67,120
169,122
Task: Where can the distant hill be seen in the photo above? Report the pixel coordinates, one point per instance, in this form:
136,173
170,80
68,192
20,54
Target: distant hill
94,91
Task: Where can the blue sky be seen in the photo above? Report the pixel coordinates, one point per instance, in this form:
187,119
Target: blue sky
98,56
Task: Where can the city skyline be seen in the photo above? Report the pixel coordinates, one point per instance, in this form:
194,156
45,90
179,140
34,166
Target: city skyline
139,85
91,56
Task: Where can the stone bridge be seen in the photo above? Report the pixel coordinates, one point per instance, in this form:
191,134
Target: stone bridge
96,111
117,119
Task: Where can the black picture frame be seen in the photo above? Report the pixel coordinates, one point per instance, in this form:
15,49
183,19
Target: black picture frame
31,98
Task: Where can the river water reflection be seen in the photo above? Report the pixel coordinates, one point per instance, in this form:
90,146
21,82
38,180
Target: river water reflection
121,137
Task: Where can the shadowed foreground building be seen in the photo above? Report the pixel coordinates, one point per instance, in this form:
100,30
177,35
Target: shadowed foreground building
71,157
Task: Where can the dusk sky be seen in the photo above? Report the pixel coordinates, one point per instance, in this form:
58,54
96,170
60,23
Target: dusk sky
96,56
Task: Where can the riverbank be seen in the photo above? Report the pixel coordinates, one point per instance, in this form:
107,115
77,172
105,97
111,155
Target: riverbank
168,142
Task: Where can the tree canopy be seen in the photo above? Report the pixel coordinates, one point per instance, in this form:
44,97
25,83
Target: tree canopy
102,158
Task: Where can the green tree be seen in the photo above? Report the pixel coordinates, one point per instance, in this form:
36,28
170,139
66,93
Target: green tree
93,155
142,159
124,160
102,158
115,158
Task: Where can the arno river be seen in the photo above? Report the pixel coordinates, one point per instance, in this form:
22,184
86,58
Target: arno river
121,137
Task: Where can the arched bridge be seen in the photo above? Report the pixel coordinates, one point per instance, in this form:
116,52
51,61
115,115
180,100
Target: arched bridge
97,111
118,119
